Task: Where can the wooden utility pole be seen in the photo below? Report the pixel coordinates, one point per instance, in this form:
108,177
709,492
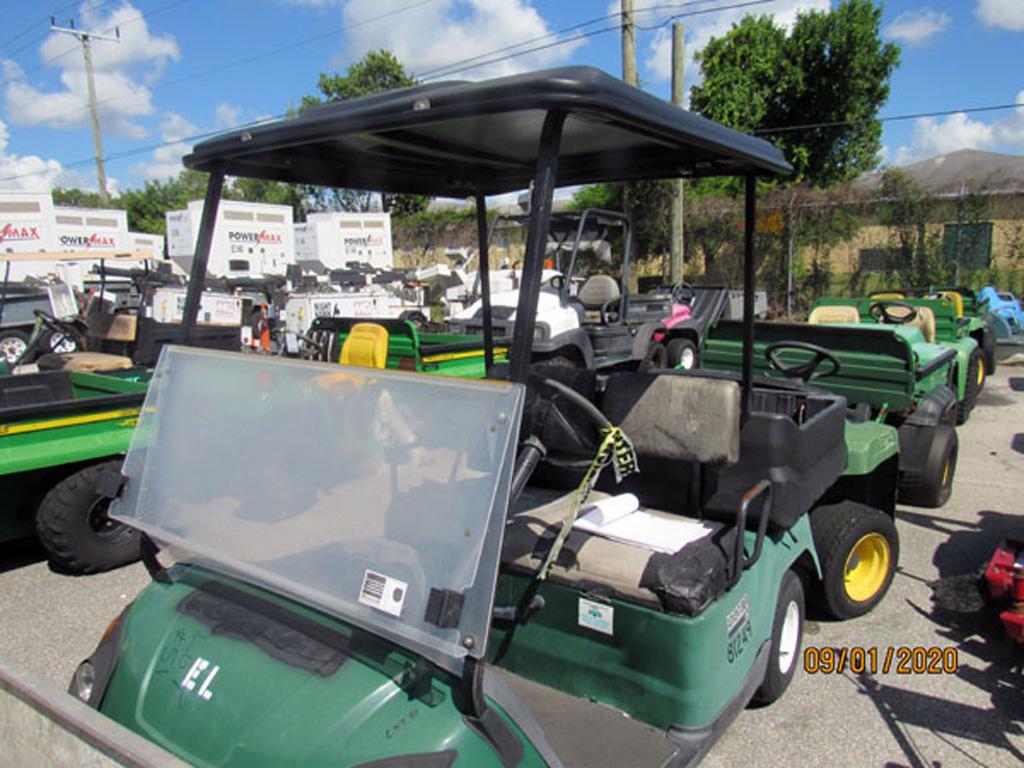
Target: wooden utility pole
629,44
85,39
678,76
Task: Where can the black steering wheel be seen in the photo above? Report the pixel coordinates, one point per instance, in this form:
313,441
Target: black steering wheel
682,293
880,311
806,371
73,328
556,282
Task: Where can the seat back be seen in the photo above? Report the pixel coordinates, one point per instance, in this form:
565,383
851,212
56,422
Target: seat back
884,295
108,327
598,290
924,320
366,345
676,417
955,299
834,313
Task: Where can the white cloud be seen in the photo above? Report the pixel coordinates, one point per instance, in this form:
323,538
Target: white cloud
166,161
433,35
916,27
31,173
1005,14
934,136
227,115
123,72
700,29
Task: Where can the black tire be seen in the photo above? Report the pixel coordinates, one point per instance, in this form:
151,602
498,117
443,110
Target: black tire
973,386
415,317
844,534
13,343
657,357
680,350
73,526
932,486
784,658
988,350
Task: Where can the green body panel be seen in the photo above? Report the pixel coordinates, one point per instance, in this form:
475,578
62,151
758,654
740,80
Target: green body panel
263,711
878,363
951,332
868,444
38,452
657,667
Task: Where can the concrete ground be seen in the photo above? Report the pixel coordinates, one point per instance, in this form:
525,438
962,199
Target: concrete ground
973,717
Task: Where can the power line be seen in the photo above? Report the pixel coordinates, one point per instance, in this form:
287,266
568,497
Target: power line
59,56
887,119
272,52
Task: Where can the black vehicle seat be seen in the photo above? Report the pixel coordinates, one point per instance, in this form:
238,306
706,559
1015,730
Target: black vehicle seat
597,291
673,454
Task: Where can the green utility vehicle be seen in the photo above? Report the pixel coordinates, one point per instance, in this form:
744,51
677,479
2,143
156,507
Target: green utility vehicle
58,431
372,604
937,322
888,373
408,348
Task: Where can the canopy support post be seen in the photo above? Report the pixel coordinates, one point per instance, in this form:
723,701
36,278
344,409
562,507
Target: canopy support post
484,276
749,228
541,195
197,275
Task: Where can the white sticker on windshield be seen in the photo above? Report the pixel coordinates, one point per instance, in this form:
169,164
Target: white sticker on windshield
383,593
597,616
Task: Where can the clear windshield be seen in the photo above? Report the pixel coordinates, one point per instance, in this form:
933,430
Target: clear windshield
377,496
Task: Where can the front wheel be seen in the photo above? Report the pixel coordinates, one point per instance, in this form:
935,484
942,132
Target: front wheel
973,386
656,359
682,353
74,528
932,486
13,344
858,548
787,636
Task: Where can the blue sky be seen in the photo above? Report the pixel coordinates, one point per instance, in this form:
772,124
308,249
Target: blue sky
185,67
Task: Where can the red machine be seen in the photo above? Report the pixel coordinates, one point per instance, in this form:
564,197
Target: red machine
1005,579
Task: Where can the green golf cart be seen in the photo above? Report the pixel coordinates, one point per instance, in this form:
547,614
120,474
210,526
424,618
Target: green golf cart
376,601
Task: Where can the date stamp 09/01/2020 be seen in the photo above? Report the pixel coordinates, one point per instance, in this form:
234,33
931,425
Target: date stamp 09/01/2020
900,660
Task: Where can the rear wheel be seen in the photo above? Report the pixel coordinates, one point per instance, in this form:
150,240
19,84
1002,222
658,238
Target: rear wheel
858,548
787,634
974,384
932,486
73,525
682,353
13,344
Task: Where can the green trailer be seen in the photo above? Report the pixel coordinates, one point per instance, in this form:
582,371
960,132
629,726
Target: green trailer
938,323
58,431
354,606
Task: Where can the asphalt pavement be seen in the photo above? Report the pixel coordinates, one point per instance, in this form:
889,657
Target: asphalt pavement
973,716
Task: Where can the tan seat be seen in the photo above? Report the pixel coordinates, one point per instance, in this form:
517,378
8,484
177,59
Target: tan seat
366,346
585,559
83,362
924,320
113,327
834,313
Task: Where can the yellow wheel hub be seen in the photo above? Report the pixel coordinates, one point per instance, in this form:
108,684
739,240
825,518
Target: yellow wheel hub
867,567
981,372
945,473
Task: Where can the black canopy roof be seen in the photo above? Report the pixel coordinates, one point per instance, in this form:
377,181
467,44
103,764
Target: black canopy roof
462,138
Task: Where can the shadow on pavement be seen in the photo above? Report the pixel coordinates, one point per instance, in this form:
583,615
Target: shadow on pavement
19,553
1017,383
988,660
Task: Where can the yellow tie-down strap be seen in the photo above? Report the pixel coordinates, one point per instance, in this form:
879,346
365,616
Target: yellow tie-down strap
70,421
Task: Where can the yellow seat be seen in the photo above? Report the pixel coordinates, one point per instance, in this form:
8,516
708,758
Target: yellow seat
955,299
890,295
366,345
834,313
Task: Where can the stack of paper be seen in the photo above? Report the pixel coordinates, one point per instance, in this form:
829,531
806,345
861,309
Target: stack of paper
620,518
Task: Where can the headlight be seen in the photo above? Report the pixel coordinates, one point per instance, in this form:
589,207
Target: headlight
84,681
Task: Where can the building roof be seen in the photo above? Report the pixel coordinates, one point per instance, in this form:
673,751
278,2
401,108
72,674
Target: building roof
967,169
462,138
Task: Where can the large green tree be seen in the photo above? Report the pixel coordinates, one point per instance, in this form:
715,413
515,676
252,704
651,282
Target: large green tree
376,72
832,71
